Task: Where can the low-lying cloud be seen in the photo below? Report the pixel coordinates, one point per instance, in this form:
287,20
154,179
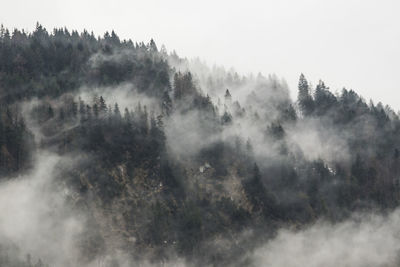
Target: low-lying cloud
34,217
365,240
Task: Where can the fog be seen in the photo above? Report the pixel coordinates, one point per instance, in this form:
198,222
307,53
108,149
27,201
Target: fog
34,214
36,218
258,122
125,95
255,103
364,240
39,218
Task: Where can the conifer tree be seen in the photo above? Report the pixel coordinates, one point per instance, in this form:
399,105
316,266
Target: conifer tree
305,100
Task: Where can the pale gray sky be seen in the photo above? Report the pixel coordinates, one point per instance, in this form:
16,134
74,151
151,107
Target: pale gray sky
351,43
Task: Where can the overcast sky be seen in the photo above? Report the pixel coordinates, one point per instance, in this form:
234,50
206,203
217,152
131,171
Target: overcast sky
347,43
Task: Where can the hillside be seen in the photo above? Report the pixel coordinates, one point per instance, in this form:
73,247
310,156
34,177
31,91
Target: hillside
114,152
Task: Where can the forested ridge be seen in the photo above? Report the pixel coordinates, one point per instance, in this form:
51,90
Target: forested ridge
177,160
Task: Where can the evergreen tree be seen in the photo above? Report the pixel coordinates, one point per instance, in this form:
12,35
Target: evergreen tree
102,106
305,100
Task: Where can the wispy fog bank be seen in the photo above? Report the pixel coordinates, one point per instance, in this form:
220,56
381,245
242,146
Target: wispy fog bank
33,214
365,240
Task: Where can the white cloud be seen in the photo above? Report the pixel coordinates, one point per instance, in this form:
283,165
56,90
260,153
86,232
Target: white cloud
365,240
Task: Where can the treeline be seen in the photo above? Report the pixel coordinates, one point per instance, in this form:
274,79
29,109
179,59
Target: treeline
49,64
371,133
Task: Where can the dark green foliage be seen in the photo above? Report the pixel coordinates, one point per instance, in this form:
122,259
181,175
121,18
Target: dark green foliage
305,100
258,195
16,141
42,64
184,86
324,99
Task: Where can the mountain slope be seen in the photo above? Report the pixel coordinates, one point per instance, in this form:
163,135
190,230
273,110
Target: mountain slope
163,159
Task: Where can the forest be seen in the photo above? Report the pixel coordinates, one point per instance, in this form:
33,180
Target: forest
116,153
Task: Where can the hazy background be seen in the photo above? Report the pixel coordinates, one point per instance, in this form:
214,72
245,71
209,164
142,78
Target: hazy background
347,43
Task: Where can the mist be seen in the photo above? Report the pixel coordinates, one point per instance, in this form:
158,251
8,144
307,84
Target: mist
363,240
35,216
119,153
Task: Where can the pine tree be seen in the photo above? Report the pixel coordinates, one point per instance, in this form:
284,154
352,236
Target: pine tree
305,100
102,106
117,113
